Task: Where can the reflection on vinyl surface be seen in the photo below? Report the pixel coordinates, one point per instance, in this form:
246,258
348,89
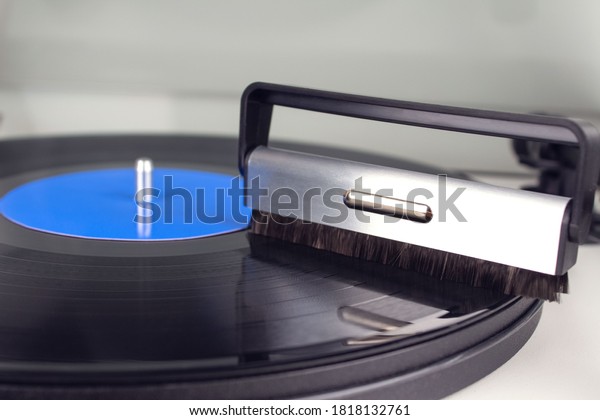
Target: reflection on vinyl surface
265,303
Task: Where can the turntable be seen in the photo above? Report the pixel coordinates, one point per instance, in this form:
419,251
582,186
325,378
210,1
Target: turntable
105,312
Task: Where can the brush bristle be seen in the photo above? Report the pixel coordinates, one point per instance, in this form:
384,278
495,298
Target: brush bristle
437,264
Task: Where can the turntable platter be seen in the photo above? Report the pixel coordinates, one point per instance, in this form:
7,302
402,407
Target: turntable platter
225,316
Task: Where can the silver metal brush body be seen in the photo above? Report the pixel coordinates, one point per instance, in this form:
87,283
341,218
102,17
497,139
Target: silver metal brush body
517,242
513,227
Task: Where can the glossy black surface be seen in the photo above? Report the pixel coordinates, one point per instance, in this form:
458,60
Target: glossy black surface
76,311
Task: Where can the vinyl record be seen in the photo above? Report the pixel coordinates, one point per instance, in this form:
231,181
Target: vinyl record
226,315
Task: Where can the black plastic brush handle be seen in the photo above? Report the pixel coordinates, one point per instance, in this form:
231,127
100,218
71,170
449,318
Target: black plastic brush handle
259,98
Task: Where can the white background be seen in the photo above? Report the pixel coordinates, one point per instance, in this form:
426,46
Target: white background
151,65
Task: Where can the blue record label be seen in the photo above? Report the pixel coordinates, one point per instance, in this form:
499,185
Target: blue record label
105,204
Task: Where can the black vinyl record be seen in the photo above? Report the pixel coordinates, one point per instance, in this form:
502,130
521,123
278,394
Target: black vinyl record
228,316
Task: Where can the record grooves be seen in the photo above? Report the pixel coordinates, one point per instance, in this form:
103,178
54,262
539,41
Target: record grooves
229,316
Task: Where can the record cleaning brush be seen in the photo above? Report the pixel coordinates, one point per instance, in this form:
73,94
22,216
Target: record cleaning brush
518,242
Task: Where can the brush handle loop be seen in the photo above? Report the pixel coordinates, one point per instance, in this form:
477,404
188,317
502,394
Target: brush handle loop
259,98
